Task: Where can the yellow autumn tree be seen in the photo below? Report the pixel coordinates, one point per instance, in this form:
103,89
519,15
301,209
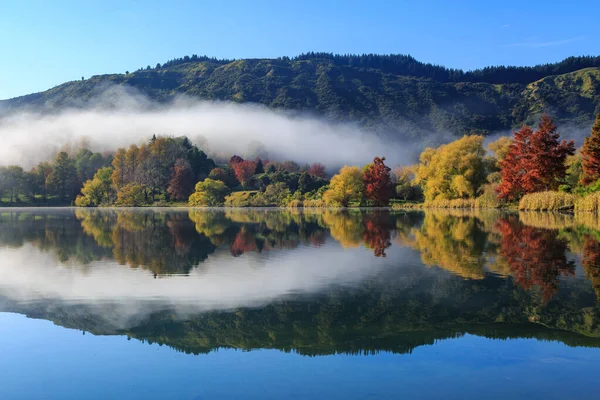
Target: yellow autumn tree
454,170
209,193
345,187
498,148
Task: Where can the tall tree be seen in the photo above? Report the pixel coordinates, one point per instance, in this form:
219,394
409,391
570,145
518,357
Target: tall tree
42,173
454,170
119,175
260,168
535,161
590,155
63,178
345,187
181,185
378,182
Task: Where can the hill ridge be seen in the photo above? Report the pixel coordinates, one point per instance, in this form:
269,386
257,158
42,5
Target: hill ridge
393,94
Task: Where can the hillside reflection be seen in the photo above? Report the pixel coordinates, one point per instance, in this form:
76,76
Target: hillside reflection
313,281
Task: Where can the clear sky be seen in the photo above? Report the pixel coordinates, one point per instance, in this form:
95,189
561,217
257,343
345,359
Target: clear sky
44,43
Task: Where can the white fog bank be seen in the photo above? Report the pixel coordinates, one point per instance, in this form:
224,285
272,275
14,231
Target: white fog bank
221,128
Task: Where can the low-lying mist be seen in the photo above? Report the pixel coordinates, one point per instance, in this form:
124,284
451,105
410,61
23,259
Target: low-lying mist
220,128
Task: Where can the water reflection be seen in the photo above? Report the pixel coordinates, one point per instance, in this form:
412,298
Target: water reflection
316,282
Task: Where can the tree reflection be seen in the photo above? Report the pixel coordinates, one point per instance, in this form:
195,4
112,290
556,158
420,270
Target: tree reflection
591,261
453,242
528,246
377,229
537,257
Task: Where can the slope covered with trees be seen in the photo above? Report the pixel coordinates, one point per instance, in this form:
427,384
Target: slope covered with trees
395,94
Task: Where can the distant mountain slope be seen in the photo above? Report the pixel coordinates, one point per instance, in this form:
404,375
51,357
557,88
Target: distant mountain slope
394,94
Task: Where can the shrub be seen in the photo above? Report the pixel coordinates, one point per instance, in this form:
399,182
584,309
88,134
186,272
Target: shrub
589,202
489,197
240,199
295,203
209,193
314,203
454,203
131,195
547,201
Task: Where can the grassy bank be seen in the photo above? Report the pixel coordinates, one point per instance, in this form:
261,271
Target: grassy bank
547,201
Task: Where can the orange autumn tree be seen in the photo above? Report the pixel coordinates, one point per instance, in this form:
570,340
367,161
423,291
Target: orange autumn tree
378,182
590,155
535,161
243,171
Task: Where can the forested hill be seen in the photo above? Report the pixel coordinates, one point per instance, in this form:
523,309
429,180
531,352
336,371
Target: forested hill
387,93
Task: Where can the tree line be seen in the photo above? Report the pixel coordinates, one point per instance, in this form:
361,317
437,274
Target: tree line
507,170
403,64
169,170
50,183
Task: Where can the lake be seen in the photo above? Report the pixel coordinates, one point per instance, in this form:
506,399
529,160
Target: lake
292,304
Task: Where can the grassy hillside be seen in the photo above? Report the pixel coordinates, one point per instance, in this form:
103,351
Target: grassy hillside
403,97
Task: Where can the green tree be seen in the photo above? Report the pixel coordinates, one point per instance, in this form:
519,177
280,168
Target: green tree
63,179
209,193
276,194
131,195
12,181
41,179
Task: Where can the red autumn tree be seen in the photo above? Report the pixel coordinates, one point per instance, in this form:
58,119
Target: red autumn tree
590,155
378,182
181,185
318,170
535,161
244,171
536,257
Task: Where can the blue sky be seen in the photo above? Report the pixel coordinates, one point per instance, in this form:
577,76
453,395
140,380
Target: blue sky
45,43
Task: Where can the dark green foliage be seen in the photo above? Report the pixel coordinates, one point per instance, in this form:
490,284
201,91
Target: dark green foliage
63,179
259,166
392,94
87,163
199,161
308,183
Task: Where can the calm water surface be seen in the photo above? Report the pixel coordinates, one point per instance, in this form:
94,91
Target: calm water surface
271,304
